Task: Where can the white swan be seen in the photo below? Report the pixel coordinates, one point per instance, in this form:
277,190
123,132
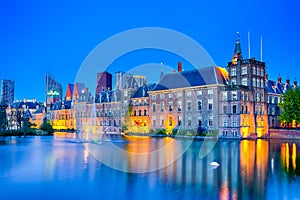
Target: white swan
214,164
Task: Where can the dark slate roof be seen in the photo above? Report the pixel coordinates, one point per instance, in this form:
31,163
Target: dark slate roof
276,87
86,97
143,90
130,82
29,105
59,105
190,78
39,110
108,96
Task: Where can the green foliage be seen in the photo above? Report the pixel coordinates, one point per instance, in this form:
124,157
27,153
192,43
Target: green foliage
290,106
46,126
174,131
162,132
28,126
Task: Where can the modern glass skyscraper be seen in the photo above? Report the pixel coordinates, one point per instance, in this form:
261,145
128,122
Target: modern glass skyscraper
53,90
7,91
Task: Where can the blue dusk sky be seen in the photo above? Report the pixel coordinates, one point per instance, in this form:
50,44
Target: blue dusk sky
37,36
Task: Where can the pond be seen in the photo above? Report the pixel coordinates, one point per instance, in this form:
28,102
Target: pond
116,167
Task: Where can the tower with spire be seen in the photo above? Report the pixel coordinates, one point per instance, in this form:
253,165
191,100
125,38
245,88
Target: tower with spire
244,98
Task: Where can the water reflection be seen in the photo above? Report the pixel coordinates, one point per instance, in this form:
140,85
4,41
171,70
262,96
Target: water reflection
62,168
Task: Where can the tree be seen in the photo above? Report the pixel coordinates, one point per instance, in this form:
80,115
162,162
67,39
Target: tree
46,126
290,107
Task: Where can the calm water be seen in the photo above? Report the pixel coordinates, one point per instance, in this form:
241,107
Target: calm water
60,168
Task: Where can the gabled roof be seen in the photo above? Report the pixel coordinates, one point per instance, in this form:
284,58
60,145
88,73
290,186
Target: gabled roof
196,77
29,105
143,90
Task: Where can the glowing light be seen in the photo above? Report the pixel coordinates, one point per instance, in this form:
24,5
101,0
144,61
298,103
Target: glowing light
294,155
287,156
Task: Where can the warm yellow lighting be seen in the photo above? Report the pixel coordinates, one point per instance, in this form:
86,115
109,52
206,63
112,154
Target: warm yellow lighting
294,155
287,156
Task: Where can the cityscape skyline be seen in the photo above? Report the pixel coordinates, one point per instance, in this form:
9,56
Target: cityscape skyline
35,40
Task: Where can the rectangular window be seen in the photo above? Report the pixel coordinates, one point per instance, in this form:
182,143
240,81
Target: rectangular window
199,92
189,121
153,120
189,93
179,120
179,106
244,81
224,109
234,111
233,81
200,121
244,70
153,97
162,107
161,96
210,104
224,122
254,82
179,94
170,95
189,106
210,120
170,106
170,121
234,95
162,121
154,107
234,122
210,91
233,71
224,96
200,105
254,70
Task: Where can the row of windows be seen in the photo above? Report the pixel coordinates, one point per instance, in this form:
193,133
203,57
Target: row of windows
100,123
179,94
189,106
255,71
139,113
179,121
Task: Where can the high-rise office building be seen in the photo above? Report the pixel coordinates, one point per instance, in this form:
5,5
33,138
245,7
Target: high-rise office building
7,91
104,82
53,90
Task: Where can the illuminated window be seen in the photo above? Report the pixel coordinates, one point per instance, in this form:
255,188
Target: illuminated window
153,97
170,121
125,93
258,82
262,72
210,92
254,70
234,122
189,93
254,82
244,70
233,81
170,95
161,96
261,83
244,81
233,71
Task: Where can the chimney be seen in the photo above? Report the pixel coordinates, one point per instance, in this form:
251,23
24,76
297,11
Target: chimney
179,66
279,79
266,77
288,81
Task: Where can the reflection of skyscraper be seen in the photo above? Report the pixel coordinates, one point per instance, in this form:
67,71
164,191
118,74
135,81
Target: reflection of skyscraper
53,90
104,82
7,91
141,80
119,80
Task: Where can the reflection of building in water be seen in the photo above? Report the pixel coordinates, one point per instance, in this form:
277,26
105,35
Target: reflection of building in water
288,158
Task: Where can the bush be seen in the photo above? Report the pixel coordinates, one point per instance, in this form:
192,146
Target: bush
161,132
174,131
46,126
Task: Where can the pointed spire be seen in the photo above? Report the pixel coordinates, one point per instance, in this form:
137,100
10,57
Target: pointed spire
237,55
